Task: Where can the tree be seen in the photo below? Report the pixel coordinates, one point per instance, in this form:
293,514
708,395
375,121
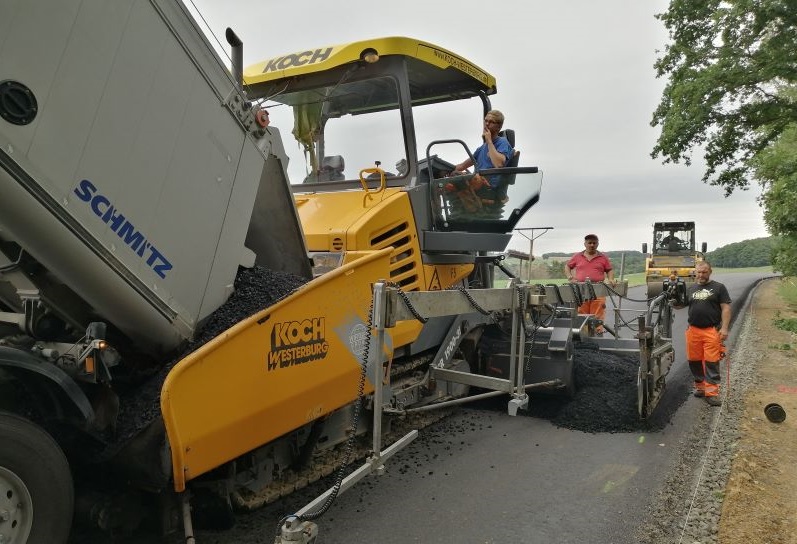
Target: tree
776,168
755,252
730,65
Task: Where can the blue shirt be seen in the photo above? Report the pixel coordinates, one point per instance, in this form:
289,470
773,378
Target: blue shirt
482,156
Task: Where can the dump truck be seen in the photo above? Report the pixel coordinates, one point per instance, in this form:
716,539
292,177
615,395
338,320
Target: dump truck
673,253
181,327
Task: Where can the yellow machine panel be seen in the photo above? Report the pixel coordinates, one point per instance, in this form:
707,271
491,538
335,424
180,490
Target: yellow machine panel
327,58
272,373
353,221
660,267
442,276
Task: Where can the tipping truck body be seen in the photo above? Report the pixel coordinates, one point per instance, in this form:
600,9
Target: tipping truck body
109,143
146,204
133,185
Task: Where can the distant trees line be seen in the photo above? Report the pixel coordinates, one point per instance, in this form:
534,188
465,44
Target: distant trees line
748,253
756,252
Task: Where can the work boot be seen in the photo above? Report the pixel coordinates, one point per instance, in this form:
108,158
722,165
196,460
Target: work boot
699,393
714,401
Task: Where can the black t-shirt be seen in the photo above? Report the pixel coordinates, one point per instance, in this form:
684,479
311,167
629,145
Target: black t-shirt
704,303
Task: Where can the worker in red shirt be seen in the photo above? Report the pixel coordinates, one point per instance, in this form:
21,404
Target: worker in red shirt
596,267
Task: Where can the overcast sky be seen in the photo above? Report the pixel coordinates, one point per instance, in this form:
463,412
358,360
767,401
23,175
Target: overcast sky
575,81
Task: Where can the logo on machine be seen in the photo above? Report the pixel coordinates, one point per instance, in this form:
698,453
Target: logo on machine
297,342
451,346
132,237
297,59
462,65
358,339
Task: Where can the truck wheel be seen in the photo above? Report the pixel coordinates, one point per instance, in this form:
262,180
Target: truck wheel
36,494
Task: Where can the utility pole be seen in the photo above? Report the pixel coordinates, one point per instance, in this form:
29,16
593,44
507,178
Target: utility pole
531,239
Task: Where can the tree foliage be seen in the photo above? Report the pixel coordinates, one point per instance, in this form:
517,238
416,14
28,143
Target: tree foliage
756,252
633,261
776,168
729,65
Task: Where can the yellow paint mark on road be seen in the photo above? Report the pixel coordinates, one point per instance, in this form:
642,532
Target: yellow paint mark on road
611,477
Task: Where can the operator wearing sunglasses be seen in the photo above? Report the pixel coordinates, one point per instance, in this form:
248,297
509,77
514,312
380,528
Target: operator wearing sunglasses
495,152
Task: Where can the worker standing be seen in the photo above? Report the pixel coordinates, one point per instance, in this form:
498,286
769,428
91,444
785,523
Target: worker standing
709,319
596,267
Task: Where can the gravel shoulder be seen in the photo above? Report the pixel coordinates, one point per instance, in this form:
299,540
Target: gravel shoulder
735,480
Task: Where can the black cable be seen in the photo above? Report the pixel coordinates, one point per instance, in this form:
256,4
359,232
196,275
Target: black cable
591,290
559,298
470,299
355,420
576,294
505,270
407,303
528,337
646,300
542,323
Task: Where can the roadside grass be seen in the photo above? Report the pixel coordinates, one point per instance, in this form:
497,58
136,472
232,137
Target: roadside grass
788,291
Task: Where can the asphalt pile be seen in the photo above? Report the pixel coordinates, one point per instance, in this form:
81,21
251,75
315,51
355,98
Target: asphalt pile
606,397
255,289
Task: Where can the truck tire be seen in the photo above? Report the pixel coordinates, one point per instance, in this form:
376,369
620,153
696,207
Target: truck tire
36,492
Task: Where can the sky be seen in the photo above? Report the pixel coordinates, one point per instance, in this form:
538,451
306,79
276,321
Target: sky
576,83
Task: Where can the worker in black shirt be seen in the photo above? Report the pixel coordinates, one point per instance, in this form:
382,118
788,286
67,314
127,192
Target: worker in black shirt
709,319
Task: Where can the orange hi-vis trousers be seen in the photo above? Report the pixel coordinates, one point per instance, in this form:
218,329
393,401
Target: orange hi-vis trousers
597,307
704,350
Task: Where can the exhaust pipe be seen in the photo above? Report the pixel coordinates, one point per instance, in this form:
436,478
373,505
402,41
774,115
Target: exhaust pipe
237,57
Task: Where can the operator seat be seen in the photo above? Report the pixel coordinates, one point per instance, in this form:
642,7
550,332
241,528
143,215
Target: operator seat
508,179
674,245
509,134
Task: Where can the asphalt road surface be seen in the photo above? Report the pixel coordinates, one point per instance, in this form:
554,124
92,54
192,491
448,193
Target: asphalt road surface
482,476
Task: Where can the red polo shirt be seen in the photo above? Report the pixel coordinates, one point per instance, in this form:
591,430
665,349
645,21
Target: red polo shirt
594,269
